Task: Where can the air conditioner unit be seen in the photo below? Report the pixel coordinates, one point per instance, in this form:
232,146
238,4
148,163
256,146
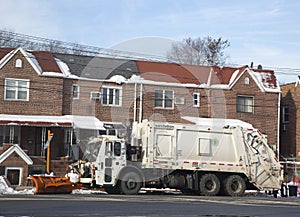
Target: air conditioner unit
95,95
179,100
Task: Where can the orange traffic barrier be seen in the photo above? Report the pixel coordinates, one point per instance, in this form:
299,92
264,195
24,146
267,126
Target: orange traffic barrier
53,185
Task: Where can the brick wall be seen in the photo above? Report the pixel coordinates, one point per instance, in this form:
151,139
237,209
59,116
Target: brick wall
45,93
289,133
265,115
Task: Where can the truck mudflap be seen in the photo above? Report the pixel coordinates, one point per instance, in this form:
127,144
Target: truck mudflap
53,185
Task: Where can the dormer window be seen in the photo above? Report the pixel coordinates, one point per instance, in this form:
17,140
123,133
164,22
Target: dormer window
18,63
246,81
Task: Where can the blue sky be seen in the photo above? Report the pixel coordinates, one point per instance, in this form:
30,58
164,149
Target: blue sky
266,32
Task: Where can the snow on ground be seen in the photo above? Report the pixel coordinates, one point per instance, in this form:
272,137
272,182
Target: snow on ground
83,191
5,189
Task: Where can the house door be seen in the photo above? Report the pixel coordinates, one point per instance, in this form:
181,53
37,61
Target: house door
14,175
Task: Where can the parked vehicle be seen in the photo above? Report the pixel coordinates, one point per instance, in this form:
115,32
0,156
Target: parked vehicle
210,160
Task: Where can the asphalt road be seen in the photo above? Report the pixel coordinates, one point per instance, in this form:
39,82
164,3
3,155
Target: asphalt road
146,205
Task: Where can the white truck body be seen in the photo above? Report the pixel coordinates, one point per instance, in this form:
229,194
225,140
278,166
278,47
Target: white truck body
232,149
206,158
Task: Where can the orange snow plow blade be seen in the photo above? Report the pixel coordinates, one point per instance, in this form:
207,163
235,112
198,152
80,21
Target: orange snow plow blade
53,185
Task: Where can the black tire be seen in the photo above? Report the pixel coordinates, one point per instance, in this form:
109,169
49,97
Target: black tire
209,185
113,189
131,183
234,186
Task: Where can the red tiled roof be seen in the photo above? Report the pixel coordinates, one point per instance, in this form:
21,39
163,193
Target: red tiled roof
224,74
46,61
172,72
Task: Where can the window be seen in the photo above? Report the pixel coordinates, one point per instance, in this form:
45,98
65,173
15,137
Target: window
246,81
9,134
196,99
245,104
18,63
111,96
117,149
285,114
16,89
204,147
75,91
163,99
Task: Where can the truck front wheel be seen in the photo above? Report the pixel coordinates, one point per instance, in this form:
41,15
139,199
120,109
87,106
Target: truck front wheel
130,183
209,185
234,186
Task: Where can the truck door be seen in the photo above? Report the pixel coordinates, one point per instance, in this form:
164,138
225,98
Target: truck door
114,160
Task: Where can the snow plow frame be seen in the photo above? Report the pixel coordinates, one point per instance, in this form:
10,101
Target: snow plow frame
53,185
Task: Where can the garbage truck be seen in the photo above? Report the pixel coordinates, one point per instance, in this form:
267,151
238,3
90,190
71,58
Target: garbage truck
209,159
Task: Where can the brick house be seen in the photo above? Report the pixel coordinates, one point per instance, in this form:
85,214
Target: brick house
59,87
289,124
36,92
134,90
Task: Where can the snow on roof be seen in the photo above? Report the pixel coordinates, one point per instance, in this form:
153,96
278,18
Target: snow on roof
17,149
267,80
79,122
117,79
63,67
35,61
35,120
218,122
85,122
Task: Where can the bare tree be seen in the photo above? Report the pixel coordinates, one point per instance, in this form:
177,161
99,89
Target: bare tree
206,51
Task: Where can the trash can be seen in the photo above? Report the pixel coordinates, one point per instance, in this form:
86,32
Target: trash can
293,189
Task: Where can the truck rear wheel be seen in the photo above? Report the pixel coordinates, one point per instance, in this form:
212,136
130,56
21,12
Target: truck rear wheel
131,183
209,185
234,186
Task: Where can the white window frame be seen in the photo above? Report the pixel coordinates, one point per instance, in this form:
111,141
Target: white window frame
18,63
196,101
111,96
285,113
16,88
15,168
164,99
245,107
75,93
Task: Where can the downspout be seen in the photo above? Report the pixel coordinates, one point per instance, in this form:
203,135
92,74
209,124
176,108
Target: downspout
134,103
141,103
278,126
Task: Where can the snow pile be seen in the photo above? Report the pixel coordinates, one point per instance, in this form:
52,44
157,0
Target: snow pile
162,190
83,191
117,79
5,189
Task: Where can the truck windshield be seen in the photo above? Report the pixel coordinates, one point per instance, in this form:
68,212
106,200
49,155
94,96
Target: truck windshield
91,150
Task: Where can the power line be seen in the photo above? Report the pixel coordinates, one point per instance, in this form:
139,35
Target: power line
73,48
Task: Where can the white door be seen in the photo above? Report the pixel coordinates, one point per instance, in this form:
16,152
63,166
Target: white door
114,160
